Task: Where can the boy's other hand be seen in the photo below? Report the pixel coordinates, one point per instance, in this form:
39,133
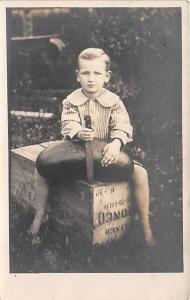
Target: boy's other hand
111,153
86,134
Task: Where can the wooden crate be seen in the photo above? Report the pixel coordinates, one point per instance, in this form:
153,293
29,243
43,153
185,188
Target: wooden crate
96,212
22,165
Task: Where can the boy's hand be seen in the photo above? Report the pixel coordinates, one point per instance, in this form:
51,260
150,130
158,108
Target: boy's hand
111,153
86,134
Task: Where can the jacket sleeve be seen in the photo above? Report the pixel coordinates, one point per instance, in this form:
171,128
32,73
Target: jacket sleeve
120,126
70,120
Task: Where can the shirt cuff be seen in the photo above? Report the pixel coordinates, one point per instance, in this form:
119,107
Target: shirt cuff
121,135
73,132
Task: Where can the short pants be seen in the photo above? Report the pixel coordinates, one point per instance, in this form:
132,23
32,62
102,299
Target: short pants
66,160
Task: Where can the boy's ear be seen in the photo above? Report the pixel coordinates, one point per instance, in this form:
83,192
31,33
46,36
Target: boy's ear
108,75
77,72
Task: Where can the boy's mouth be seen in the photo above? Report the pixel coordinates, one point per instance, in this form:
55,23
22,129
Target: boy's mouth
91,85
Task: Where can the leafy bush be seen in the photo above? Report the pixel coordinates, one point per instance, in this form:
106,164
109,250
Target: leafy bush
145,49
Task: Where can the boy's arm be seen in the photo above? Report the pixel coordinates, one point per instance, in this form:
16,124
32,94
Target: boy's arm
120,133
70,120
120,126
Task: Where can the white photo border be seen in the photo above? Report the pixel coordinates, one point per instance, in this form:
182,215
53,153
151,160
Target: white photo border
93,286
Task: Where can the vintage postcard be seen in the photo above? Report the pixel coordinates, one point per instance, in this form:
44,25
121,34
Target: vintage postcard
95,150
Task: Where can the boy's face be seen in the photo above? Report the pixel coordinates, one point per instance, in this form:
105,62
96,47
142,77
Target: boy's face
92,75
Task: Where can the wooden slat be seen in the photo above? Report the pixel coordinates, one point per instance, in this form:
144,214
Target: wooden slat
28,152
21,180
84,213
68,199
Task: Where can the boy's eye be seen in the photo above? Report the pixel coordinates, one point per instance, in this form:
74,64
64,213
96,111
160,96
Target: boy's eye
88,73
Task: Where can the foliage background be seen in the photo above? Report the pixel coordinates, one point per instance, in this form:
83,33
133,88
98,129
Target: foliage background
145,49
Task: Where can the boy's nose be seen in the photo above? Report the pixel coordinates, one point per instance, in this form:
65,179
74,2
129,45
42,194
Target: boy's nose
90,77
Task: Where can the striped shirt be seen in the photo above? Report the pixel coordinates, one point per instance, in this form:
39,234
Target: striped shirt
109,117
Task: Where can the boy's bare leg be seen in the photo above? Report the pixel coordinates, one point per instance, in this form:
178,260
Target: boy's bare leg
141,193
41,198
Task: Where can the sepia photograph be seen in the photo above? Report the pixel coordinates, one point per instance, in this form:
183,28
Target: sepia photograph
94,100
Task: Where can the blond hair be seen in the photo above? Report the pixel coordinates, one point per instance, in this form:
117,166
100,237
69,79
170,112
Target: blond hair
92,53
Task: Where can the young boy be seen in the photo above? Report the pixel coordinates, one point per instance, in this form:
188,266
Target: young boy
110,123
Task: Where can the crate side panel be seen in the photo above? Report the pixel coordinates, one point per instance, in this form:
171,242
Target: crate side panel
21,181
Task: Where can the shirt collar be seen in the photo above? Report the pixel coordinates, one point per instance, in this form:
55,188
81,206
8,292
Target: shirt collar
106,98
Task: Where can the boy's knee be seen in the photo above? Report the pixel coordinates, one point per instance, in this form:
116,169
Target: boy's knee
127,162
140,171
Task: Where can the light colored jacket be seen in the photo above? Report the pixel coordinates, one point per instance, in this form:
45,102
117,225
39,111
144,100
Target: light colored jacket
109,117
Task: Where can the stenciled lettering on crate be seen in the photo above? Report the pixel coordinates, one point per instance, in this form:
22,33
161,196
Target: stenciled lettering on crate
111,205
98,212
